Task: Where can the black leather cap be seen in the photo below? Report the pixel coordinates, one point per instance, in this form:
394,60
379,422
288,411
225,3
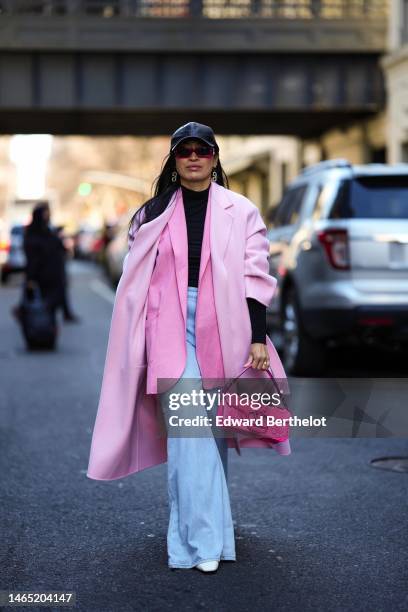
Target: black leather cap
193,130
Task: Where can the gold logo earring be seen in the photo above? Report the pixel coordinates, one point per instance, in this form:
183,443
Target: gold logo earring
214,175
174,176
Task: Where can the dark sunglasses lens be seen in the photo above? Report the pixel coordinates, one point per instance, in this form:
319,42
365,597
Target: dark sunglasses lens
183,152
201,151
204,151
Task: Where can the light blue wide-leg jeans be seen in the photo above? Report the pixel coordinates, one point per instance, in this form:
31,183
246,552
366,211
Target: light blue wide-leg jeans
200,524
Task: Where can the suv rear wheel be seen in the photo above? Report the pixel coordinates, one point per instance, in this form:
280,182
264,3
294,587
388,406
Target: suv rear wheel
302,355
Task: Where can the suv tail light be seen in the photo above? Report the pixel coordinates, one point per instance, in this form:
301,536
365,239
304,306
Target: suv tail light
336,245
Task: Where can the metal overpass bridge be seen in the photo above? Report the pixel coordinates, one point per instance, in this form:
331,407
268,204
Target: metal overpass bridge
143,67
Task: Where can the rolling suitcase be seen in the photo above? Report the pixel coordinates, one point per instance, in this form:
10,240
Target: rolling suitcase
39,325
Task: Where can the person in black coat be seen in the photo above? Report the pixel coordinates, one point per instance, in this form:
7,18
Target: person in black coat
46,255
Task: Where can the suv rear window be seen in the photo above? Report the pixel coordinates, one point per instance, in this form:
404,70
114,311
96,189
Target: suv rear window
288,210
372,197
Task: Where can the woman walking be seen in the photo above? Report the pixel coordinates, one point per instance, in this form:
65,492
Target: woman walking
190,309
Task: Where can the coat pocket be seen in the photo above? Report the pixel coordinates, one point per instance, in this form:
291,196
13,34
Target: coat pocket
152,315
153,303
151,337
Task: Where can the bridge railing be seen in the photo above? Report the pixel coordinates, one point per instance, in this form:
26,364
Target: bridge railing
206,9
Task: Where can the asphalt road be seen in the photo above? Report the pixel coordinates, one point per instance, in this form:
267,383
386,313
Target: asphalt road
320,530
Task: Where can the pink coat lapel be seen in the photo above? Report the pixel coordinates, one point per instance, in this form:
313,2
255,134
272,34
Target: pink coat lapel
165,335
217,230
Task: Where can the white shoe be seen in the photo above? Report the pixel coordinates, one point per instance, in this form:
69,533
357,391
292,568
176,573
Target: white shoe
208,566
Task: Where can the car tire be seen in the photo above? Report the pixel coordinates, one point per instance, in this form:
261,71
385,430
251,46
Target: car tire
301,354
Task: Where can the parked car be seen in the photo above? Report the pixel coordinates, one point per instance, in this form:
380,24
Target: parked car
339,249
84,240
13,250
102,239
116,251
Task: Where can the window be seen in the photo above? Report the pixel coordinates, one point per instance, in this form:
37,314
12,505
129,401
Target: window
289,209
323,192
404,22
372,197
404,152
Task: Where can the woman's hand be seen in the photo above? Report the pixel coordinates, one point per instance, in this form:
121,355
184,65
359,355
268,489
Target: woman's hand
258,356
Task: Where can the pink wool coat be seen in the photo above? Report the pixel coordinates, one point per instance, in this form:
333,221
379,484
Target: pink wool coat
147,337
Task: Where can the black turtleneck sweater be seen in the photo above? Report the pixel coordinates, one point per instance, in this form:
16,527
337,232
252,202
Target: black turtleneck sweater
195,208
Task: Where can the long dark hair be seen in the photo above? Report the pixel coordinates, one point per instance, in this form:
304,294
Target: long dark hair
164,189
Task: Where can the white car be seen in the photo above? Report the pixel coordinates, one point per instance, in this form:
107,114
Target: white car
339,249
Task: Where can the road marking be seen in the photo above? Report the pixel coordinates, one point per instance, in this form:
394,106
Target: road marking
103,290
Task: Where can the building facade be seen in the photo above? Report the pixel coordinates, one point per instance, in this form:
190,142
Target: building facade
395,66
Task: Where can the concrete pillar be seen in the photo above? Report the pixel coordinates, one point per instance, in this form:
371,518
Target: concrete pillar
275,180
254,190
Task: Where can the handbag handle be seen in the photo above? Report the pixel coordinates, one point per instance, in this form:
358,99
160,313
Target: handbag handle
268,372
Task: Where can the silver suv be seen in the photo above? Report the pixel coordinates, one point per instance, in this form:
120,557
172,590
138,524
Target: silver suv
339,249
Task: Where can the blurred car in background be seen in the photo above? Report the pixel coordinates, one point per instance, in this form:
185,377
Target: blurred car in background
84,240
339,249
90,242
100,243
12,254
116,250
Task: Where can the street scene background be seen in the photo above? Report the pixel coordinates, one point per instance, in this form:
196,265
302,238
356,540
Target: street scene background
307,99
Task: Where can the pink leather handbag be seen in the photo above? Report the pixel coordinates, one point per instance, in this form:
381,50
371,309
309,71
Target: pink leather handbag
245,418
